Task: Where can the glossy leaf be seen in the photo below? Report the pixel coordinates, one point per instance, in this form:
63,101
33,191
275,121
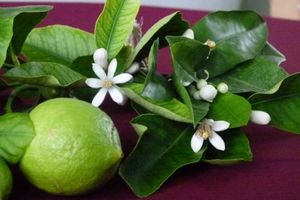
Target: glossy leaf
115,24
239,36
237,149
44,74
16,133
15,24
232,108
173,109
156,86
169,25
282,103
58,43
147,168
271,53
187,57
83,65
257,75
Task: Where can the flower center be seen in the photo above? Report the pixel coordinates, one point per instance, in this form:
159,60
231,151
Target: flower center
204,131
107,83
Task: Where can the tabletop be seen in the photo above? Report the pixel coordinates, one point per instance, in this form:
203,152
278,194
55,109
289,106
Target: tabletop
275,170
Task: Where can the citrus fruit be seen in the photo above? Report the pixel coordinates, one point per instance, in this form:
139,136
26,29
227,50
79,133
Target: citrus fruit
76,148
5,180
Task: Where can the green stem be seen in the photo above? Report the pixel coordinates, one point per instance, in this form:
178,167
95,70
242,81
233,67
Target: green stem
12,96
14,57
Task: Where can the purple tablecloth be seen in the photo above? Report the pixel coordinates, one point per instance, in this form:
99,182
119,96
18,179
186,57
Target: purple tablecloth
274,172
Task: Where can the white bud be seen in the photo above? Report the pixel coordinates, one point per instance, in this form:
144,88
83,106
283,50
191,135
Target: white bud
133,68
260,117
100,57
189,33
223,88
201,83
196,95
208,93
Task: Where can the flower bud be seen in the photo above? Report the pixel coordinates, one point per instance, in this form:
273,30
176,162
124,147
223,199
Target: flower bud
211,44
223,88
100,57
260,117
196,95
189,33
133,68
192,89
201,83
208,93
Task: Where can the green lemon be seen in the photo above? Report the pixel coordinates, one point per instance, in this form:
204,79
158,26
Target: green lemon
76,148
5,180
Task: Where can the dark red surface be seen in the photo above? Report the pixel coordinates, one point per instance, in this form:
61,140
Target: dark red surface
273,174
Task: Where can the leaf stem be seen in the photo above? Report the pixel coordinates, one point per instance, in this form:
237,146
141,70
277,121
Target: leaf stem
12,96
14,57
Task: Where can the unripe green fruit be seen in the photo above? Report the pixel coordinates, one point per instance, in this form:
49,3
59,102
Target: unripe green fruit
76,148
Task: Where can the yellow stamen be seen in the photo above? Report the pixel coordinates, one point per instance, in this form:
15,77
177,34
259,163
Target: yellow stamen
204,131
107,84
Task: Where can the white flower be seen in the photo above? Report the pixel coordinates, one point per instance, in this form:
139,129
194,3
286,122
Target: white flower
100,57
107,83
201,83
208,93
223,88
189,33
207,130
260,117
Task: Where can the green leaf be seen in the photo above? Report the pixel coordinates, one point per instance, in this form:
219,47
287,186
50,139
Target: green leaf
122,58
187,56
16,133
58,43
257,75
83,65
115,24
282,103
45,74
166,145
232,108
15,25
239,36
199,109
169,25
237,149
271,53
156,86
173,109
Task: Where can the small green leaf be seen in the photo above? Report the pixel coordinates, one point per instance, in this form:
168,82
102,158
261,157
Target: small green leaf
173,109
44,74
257,75
15,25
166,145
232,108
237,149
239,36
16,133
58,43
169,25
282,103
156,86
271,53
115,24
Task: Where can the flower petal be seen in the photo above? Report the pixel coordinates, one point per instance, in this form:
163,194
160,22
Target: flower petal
217,141
220,125
94,82
100,57
133,68
112,68
116,95
196,143
99,71
98,99
122,78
